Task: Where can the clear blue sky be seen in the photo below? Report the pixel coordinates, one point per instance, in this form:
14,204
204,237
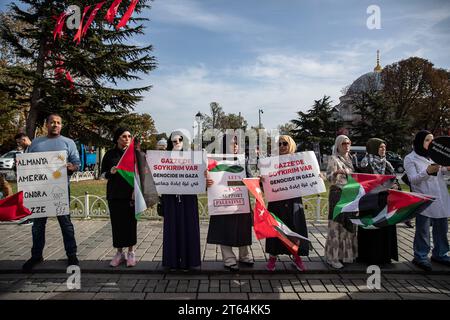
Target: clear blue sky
276,55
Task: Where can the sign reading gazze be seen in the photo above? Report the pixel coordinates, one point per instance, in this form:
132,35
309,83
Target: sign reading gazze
42,176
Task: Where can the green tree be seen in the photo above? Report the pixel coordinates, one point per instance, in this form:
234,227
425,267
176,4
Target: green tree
102,59
316,126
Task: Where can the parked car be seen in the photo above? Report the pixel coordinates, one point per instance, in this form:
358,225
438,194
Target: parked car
394,158
8,160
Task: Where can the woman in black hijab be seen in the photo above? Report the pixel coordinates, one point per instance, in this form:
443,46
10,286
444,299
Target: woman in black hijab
120,201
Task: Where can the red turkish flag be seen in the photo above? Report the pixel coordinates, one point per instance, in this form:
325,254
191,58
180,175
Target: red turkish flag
79,34
11,208
57,32
112,11
92,17
127,14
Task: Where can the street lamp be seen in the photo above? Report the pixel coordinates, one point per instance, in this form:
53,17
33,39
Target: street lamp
335,117
259,116
199,119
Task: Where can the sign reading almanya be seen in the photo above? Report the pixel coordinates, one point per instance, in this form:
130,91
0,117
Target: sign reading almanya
291,176
178,172
227,195
42,176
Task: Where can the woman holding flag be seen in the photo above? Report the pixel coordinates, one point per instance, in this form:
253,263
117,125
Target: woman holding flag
377,246
341,241
119,194
291,213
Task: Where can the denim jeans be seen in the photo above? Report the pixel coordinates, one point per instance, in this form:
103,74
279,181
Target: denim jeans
422,238
68,232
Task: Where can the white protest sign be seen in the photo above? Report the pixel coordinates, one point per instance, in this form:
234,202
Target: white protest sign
291,176
42,176
227,195
178,172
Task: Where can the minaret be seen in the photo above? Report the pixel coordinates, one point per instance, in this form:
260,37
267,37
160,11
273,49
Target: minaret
378,68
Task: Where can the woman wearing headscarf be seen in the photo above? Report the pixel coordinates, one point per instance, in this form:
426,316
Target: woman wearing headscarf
427,177
232,230
120,201
181,238
291,212
341,243
377,246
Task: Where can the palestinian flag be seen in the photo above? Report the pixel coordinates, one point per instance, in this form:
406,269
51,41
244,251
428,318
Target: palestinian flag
361,192
398,207
214,166
268,225
11,208
134,169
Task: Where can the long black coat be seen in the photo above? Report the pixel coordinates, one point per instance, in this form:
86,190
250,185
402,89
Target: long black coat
120,203
377,246
292,214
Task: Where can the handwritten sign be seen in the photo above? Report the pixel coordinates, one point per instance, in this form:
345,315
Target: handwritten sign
291,176
227,195
42,176
178,172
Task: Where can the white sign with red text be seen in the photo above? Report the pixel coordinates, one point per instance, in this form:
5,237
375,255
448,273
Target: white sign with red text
291,176
178,172
227,195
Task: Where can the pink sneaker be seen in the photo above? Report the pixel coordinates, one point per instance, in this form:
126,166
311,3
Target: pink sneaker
131,259
117,259
298,262
271,264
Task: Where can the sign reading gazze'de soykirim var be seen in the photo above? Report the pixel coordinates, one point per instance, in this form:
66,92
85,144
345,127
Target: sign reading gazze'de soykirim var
291,176
227,195
178,172
42,176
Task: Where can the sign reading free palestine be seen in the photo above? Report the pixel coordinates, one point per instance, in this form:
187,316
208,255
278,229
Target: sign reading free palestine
42,176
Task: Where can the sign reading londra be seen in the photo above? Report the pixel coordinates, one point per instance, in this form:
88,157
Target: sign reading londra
42,176
291,176
178,172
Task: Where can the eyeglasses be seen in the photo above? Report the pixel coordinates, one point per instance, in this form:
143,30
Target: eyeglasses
344,143
284,143
177,140
126,136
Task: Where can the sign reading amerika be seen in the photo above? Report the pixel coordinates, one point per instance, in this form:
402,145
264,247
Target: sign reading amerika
291,176
227,195
42,176
178,172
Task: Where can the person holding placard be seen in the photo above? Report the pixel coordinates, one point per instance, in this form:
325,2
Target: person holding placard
341,243
181,237
291,212
231,230
428,178
54,141
377,246
119,194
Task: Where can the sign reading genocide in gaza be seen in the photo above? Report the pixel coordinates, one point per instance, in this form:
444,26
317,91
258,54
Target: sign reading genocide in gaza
42,176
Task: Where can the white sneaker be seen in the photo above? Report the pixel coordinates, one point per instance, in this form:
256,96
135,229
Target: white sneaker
118,258
335,265
131,259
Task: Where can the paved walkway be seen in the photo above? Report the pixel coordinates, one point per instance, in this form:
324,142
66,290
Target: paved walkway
147,280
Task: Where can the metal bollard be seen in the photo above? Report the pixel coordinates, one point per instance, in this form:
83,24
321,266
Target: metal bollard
86,206
318,208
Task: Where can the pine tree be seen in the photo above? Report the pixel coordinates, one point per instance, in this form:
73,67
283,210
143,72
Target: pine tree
101,60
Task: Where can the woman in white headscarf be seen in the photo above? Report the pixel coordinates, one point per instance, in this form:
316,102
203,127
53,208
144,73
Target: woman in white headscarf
341,244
